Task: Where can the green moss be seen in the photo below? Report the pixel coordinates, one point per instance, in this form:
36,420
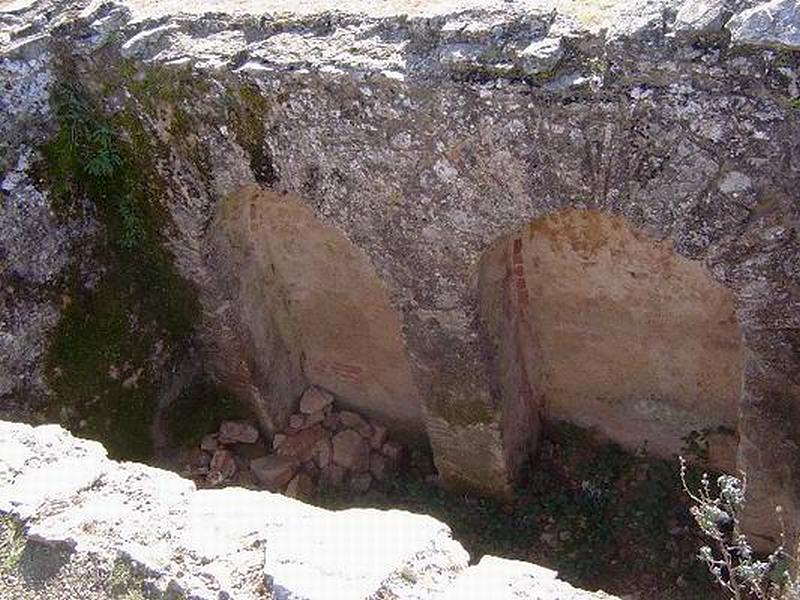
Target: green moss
199,410
99,363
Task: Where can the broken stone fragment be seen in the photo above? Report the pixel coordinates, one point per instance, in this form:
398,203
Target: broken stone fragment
273,472
315,400
301,486
352,420
232,432
277,440
360,482
297,421
378,437
300,445
223,467
210,442
351,451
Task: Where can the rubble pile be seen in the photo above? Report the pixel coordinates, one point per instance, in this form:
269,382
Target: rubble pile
322,447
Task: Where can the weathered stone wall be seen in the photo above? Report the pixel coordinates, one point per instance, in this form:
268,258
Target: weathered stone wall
426,133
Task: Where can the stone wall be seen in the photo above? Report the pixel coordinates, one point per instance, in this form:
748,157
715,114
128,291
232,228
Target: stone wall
424,134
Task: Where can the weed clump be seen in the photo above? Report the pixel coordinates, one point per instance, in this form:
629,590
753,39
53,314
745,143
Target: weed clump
730,559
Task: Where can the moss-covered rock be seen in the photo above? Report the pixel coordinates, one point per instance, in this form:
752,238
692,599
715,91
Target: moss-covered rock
119,329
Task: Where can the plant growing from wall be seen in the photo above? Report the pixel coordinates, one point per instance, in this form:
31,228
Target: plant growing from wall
729,557
136,312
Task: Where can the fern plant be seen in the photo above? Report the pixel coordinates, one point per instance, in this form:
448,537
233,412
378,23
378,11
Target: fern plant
103,159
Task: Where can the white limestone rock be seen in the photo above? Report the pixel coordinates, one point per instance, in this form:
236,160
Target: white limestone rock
502,579
359,554
774,23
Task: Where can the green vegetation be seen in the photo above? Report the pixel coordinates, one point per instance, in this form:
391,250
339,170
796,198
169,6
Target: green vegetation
12,544
101,363
124,583
730,559
199,410
600,515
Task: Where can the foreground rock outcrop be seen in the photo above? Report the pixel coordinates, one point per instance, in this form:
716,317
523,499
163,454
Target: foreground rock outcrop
65,506
350,192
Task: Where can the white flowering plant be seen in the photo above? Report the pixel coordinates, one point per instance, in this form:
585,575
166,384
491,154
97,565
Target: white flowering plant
729,556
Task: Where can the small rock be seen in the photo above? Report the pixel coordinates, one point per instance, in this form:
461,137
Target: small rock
394,455
314,419
323,452
301,486
300,445
210,442
315,400
377,466
277,440
332,422
273,472
297,421
351,451
223,467
360,482
378,437
352,420
232,432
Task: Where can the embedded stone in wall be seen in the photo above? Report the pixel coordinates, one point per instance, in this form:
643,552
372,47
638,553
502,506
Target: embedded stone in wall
613,330
302,280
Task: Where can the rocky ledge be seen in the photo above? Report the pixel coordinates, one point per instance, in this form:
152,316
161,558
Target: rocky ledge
74,523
